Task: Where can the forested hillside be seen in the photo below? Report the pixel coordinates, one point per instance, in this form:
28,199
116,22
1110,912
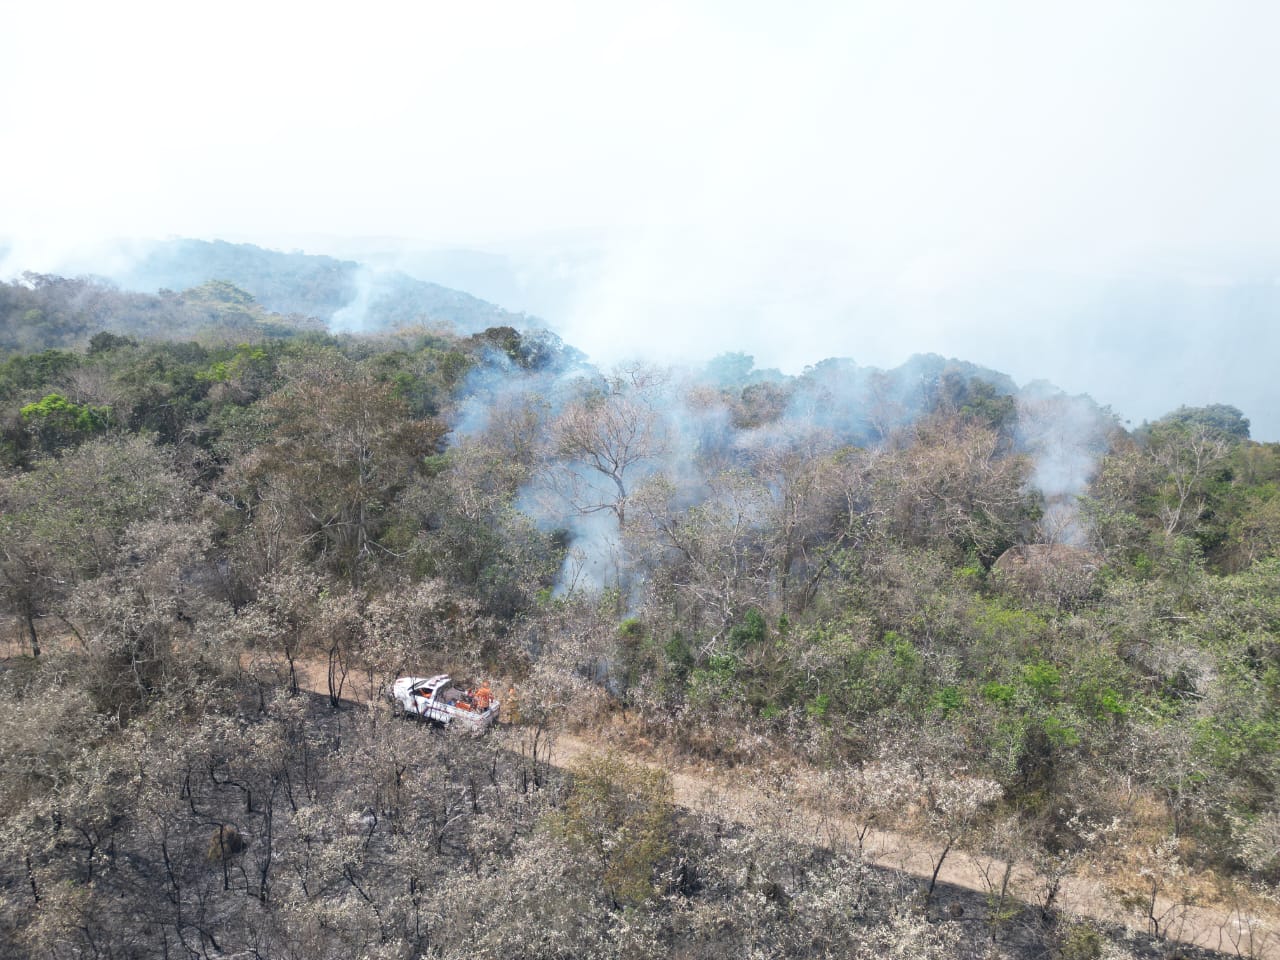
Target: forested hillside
44,312
983,615
345,294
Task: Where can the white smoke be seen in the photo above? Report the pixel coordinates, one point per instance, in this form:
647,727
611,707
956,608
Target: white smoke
1067,437
353,317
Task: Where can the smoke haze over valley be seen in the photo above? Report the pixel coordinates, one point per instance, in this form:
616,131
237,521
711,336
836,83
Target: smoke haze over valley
1079,193
1141,343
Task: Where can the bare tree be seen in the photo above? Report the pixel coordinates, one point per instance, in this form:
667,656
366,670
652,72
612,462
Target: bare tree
605,437
952,481
1186,454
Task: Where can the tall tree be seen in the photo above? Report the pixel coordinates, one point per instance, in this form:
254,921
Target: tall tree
605,437
1187,454
63,521
342,446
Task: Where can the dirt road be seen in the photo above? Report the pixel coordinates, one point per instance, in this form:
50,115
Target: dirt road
717,792
722,793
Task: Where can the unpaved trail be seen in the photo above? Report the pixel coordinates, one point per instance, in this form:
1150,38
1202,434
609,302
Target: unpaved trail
724,794
719,793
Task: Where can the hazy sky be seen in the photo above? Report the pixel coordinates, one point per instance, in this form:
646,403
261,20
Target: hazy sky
1036,186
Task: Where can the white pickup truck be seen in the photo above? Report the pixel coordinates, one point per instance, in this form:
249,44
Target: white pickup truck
437,699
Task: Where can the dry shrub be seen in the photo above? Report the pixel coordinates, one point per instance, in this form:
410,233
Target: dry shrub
1060,574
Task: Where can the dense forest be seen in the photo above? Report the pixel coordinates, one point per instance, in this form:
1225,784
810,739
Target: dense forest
982,615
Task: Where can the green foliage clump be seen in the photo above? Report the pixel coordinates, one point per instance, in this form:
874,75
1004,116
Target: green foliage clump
247,359
1219,418
220,292
751,631
716,682
618,818
34,370
58,422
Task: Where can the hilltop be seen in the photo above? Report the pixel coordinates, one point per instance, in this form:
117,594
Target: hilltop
345,295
